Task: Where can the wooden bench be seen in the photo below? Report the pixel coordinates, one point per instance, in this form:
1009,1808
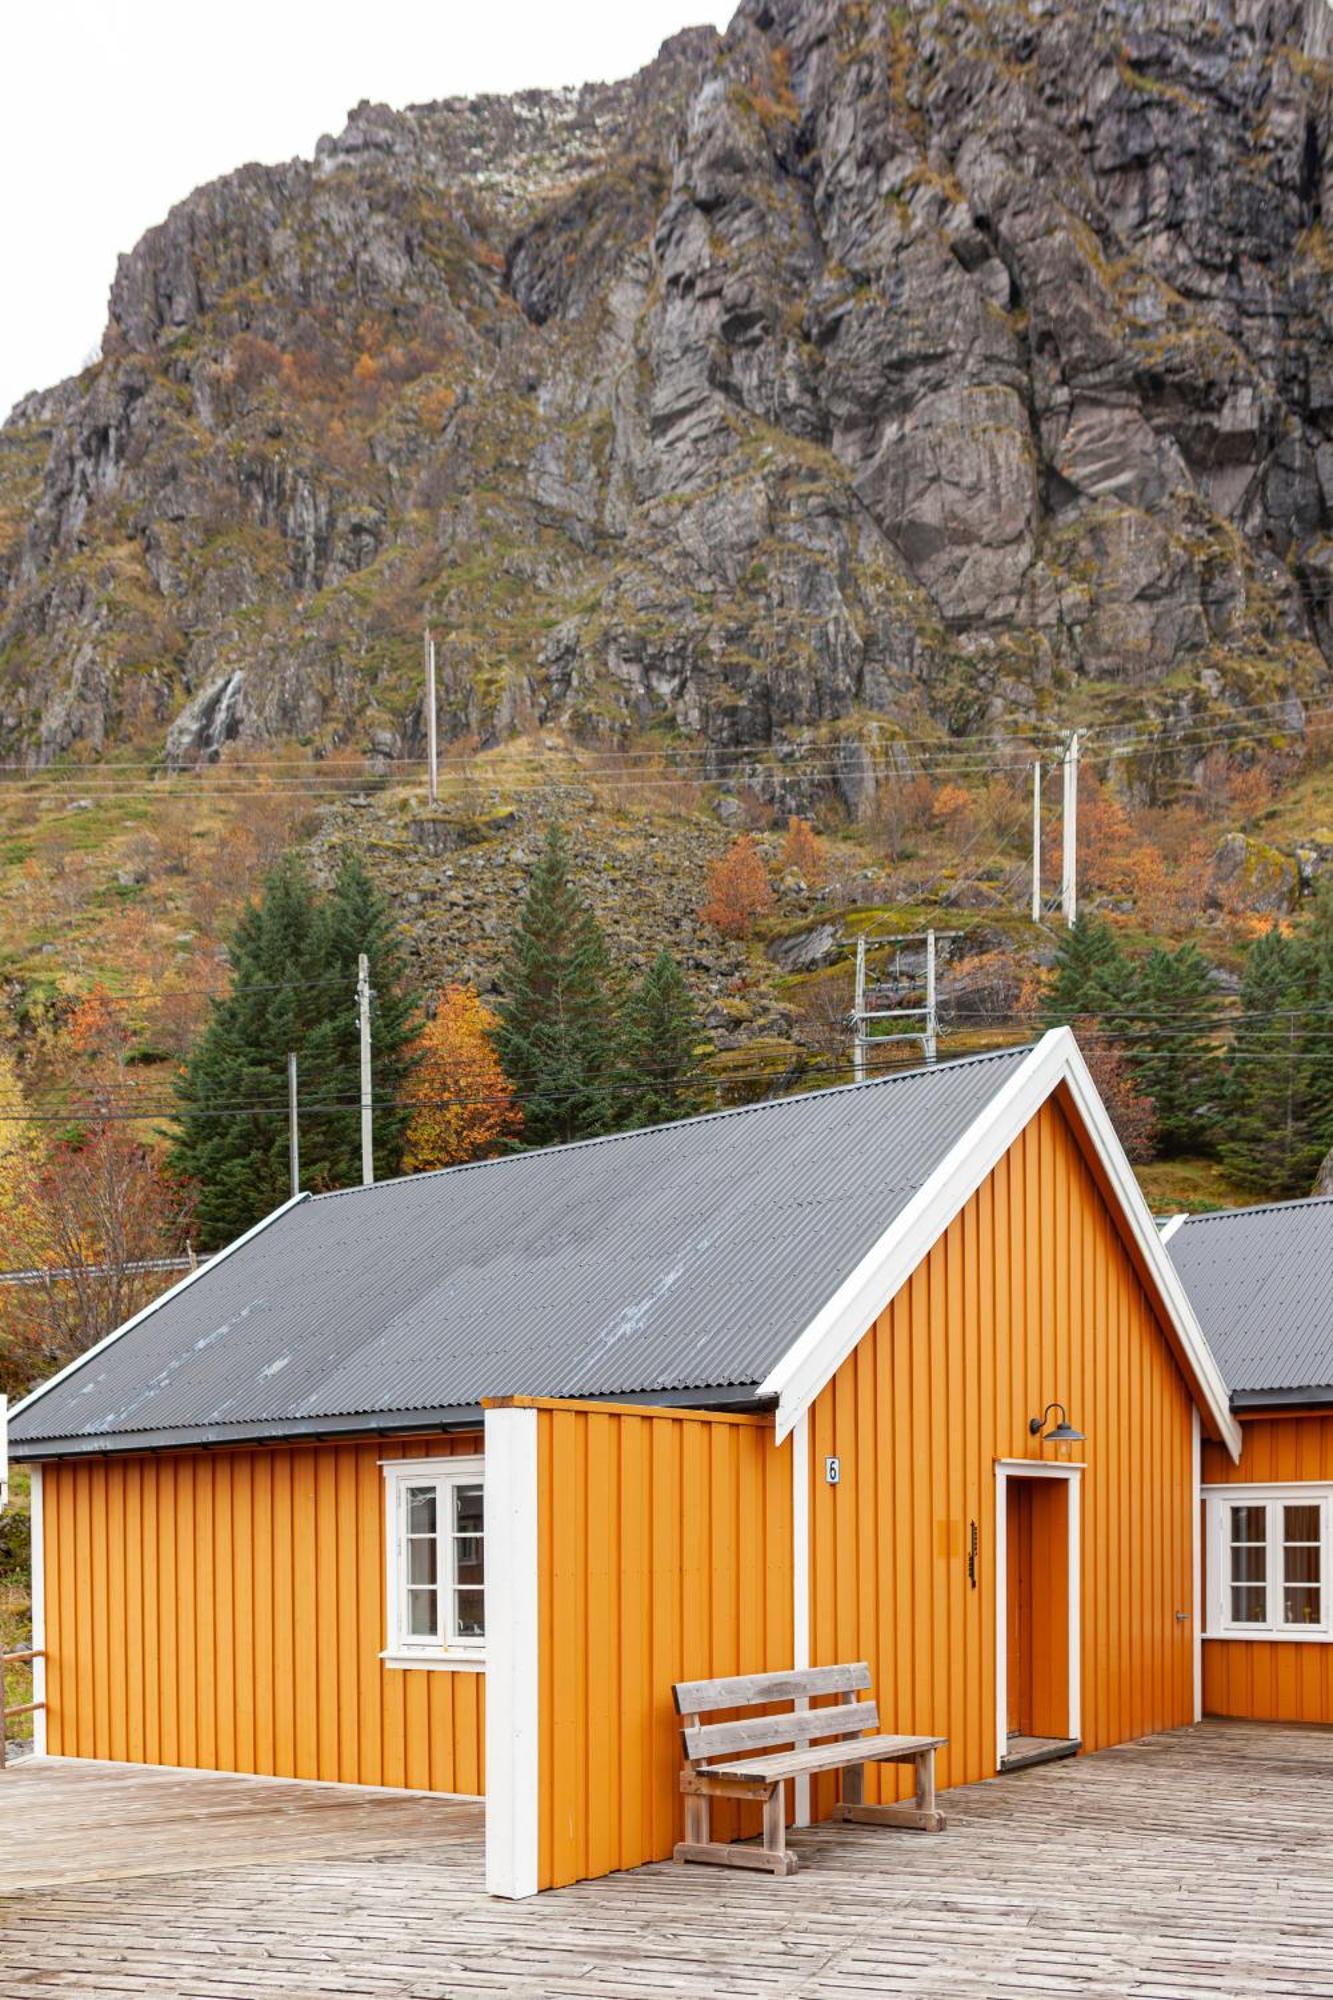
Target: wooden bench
761,1777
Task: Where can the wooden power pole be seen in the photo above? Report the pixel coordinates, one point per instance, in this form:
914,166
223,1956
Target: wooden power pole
1069,830
363,1017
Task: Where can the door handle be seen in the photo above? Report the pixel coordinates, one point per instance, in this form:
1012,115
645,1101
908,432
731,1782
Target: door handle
1182,1617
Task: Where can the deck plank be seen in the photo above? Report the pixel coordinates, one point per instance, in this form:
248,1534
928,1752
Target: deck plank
1188,1866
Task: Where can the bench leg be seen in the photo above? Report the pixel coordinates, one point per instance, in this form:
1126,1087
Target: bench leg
772,1856
921,1814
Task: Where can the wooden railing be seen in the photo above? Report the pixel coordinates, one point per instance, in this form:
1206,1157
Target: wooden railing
20,1707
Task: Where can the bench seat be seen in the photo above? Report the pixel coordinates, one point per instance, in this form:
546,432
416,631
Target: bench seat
826,1757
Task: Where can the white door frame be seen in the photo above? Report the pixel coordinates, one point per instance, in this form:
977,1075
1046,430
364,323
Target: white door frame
1035,1468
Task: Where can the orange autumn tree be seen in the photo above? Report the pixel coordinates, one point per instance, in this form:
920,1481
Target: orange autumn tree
466,1107
738,889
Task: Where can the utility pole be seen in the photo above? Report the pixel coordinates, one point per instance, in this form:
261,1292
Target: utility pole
293,1135
1069,869
432,739
1036,842
363,1016
858,1014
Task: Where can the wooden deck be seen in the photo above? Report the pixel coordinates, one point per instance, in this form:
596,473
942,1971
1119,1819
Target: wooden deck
1197,1864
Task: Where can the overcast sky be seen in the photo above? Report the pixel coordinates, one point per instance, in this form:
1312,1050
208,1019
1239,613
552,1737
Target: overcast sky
115,109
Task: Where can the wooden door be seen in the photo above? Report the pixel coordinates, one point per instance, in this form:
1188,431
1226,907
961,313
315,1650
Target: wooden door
1037,1666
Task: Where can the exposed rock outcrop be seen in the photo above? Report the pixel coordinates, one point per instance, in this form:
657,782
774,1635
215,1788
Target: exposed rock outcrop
917,362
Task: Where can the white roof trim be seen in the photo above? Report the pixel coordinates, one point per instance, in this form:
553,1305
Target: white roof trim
136,1319
817,1354
1171,1225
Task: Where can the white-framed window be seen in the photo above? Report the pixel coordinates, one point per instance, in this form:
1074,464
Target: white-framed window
1270,1566
436,1562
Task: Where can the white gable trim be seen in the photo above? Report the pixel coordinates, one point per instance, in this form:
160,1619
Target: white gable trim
817,1354
136,1319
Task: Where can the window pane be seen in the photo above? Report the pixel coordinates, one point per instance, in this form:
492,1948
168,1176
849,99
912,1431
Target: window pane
467,1510
421,1510
422,1557
1249,1524
1300,1604
422,1619
469,1613
1301,1524
468,1564
1249,1565
1248,1604
1300,1565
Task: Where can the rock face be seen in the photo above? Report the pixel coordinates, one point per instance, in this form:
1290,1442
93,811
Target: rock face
875,365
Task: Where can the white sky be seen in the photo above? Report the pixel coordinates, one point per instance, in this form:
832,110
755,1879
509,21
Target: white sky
115,109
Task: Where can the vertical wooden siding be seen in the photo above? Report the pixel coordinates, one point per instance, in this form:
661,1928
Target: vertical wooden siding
1029,1297
664,1554
1272,1680
226,1610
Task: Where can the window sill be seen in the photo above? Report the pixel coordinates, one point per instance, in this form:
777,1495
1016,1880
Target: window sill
457,1663
1317,1636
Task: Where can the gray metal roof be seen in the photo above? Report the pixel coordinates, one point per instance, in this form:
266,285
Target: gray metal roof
672,1261
1261,1282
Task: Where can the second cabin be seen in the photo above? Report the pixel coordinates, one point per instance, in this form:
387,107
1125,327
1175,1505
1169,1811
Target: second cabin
448,1482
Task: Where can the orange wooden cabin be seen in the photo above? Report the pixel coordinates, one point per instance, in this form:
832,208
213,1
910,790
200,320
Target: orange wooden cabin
444,1483
1261,1280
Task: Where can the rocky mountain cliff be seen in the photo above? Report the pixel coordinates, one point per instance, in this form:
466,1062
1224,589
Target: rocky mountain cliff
935,366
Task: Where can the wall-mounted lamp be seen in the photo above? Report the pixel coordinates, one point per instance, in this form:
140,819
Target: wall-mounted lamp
1061,1434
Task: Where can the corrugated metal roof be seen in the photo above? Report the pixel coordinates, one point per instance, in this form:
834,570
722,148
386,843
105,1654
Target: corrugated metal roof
681,1258
1261,1282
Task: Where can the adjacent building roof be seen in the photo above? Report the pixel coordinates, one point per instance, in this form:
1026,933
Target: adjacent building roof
676,1262
1261,1283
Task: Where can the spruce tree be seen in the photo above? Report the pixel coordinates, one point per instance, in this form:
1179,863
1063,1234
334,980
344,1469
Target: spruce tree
356,918
231,1137
1092,977
556,1038
1271,1142
660,1046
293,961
1173,1048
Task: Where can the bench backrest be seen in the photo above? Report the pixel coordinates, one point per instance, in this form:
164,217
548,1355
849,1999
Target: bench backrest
695,1699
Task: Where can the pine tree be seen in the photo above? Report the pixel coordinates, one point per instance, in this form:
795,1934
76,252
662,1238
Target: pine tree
1173,1050
556,1039
1092,977
356,918
661,1042
231,1137
293,963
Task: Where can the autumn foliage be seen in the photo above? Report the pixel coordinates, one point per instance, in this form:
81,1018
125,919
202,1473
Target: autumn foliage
738,890
803,850
466,1106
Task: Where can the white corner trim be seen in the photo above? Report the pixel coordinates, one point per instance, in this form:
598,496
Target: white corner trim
1035,1468
1171,1225
512,1793
800,1581
136,1319
820,1350
38,1584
